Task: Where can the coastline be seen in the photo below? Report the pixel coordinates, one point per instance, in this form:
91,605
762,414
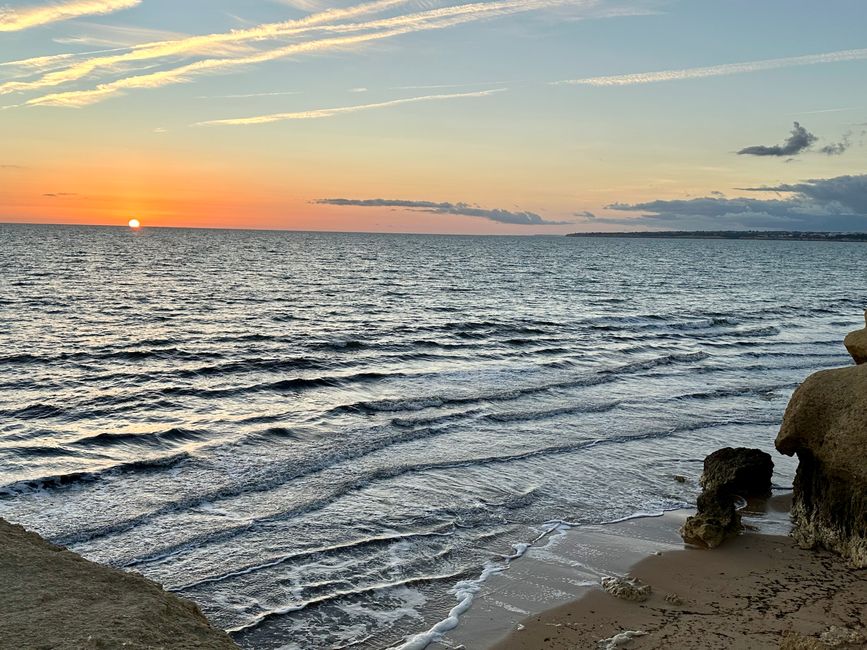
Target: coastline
748,593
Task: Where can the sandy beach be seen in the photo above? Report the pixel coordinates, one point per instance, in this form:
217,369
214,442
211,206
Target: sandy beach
750,593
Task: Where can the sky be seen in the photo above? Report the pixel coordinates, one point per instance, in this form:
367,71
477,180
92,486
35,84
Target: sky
435,116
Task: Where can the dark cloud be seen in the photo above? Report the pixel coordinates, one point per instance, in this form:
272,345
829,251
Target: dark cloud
463,209
837,148
831,204
840,193
56,194
799,140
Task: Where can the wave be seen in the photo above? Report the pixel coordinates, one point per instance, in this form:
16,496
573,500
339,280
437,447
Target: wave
61,480
364,479
313,552
436,401
261,618
159,438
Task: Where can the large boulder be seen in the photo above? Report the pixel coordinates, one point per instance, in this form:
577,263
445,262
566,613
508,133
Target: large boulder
856,343
825,424
729,473
741,471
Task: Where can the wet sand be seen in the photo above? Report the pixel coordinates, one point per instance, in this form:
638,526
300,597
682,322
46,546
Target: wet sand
749,593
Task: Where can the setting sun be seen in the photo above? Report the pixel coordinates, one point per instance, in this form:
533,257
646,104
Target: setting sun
135,224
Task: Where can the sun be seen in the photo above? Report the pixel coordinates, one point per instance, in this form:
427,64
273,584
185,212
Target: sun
135,224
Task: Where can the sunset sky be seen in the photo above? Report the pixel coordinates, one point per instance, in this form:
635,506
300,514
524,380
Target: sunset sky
494,116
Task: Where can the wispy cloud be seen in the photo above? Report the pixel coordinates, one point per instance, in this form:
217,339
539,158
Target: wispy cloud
837,148
457,85
17,19
331,112
719,70
210,43
461,209
280,93
350,35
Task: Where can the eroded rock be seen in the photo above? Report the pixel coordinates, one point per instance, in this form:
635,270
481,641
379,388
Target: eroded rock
53,598
856,343
626,588
729,474
739,470
825,424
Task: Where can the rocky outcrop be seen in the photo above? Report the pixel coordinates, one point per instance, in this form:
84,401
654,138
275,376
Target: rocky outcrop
53,598
825,424
741,471
729,473
856,343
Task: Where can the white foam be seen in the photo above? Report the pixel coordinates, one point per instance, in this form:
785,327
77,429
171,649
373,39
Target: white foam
465,591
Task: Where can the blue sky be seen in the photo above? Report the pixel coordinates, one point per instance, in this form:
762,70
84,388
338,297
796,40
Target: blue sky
433,115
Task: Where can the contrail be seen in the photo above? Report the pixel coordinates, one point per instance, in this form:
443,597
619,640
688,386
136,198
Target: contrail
717,70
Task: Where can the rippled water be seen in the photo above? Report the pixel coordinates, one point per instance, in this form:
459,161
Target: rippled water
318,436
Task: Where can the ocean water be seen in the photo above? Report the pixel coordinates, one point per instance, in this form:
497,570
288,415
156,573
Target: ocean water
326,440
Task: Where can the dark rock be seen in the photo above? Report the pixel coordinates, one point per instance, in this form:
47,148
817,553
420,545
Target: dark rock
856,343
714,522
825,424
741,471
728,474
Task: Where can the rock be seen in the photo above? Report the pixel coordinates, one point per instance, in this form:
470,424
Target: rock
729,474
836,637
825,424
626,588
856,343
679,478
619,640
673,599
833,637
795,641
53,598
742,471
714,522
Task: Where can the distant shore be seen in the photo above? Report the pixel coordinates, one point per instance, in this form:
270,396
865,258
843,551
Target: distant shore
770,235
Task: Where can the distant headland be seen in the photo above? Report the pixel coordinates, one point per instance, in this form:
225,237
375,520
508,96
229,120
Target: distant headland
787,235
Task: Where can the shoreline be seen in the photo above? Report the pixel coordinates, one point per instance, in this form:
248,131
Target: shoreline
747,593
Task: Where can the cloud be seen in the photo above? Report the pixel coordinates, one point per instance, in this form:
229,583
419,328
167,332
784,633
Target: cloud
190,45
59,194
843,193
463,209
331,112
799,140
350,35
831,204
13,20
248,95
837,148
719,70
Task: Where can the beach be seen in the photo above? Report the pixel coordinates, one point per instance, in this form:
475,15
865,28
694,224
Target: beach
751,592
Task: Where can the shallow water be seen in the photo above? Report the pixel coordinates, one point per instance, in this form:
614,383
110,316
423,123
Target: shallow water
317,436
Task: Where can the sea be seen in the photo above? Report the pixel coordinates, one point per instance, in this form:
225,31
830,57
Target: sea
330,440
